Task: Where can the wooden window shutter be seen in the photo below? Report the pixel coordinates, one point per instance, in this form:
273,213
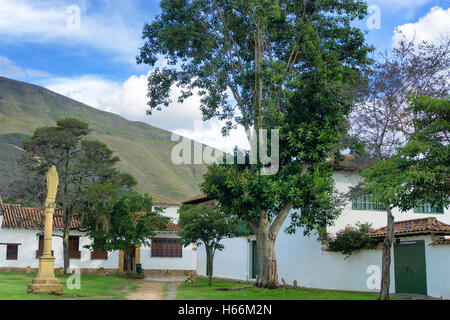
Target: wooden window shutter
12,251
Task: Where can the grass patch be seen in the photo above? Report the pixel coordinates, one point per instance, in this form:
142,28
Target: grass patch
13,286
201,291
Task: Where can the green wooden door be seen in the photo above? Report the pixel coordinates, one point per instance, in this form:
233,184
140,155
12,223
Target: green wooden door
410,267
254,260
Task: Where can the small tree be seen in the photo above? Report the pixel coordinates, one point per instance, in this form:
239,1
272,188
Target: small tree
131,222
383,122
418,173
205,223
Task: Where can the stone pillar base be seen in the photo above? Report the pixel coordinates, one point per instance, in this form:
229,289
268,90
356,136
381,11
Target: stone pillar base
45,286
46,282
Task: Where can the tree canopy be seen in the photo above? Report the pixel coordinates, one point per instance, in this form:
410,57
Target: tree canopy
287,66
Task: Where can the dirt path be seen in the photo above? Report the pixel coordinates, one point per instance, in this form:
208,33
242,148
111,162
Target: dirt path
149,290
152,288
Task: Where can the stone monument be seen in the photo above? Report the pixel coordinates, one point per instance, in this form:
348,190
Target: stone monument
45,281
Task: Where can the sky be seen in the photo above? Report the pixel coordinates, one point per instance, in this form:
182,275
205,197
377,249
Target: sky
87,49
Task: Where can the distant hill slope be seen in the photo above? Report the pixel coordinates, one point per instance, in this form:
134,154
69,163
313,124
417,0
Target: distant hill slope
145,150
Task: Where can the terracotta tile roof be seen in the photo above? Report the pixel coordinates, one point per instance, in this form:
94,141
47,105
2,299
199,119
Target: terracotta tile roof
16,216
421,226
197,199
440,242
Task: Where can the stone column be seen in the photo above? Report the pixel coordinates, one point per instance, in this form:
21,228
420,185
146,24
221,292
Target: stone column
45,281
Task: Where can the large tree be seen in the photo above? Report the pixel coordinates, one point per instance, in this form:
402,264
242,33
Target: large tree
264,64
205,223
80,164
384,120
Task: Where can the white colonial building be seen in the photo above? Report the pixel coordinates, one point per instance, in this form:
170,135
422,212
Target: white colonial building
420,255
420,264
21,244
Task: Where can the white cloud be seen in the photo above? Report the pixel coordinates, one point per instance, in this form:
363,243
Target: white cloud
129,99
10,70
107,28
431,28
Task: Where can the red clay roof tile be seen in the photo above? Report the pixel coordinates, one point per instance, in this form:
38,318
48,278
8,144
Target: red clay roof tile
16,216
423,226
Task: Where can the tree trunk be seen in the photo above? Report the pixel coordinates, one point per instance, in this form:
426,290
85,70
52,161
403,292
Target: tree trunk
209,257
267,261
386,258
66,248
128,257
265,243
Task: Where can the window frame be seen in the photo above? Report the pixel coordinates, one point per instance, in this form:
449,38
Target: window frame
421,209
365,203
8,252
74,254
166,248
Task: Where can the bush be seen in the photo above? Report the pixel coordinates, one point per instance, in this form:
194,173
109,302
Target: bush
351,239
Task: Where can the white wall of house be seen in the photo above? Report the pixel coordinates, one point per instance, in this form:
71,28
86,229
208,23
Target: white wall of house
344,180
29,240
188,261
170,211
299,258
438,270
233,262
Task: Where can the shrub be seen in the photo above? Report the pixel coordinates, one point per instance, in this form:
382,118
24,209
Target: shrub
350,239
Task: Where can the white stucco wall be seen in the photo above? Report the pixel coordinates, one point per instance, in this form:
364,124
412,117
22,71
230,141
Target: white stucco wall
188,261
170,211
29,240
298,258
29,244
301,258
378,219
438,270
233,262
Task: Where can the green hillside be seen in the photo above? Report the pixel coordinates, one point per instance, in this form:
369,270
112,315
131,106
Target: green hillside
144,149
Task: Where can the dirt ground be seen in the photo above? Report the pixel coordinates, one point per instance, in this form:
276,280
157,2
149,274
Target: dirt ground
149,290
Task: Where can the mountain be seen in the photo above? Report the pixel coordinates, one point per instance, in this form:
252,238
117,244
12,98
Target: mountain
144,150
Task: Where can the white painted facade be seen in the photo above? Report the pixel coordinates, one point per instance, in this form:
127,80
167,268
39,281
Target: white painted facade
29,239
301,258
344,180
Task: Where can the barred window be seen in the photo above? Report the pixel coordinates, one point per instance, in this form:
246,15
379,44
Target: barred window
366,203
162,247
428,208
12,251
74,247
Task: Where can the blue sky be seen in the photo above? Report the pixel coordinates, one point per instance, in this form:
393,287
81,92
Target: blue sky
94,61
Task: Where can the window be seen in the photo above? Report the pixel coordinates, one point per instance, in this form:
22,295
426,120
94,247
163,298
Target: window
74,247
365,203
428,208
40,250
11,251
98,255
167,248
